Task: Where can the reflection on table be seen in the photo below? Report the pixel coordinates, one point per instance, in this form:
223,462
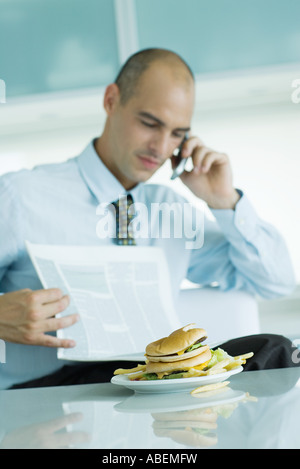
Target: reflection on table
259,409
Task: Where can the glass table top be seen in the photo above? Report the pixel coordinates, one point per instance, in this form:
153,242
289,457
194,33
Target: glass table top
258,409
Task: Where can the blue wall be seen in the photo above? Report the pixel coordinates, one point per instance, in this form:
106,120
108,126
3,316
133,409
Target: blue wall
57,45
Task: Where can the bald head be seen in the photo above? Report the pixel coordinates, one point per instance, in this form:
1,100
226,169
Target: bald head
135,67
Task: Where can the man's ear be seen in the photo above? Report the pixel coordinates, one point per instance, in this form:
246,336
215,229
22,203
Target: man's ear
111,98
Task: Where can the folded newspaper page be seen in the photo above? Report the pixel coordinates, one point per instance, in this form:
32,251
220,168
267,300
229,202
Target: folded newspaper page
122,294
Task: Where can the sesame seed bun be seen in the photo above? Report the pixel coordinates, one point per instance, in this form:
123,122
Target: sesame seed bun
167,348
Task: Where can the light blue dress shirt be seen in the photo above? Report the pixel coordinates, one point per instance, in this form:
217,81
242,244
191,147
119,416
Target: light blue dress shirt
57,204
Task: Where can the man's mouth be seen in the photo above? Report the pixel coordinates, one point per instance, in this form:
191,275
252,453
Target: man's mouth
149,162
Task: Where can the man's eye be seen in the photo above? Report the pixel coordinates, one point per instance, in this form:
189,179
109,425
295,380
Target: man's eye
148,124
179,136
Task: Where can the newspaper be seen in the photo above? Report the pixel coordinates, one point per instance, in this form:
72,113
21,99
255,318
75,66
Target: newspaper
122,294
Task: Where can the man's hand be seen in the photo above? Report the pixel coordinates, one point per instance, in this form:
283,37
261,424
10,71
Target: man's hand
26,316
211,177
52,434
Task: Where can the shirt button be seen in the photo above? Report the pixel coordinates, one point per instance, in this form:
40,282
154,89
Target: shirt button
242,221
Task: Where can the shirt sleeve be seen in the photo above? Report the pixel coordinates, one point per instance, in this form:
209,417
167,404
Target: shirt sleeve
10,225
241,251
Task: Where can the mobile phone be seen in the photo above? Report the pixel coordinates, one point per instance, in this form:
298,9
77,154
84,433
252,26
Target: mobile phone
180,162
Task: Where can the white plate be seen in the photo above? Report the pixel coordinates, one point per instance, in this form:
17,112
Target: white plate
172,385
145,403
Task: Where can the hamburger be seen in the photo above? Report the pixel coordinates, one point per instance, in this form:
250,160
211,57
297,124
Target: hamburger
183,354
173,356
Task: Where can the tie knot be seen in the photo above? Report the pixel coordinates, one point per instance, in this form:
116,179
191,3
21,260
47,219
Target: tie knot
124,202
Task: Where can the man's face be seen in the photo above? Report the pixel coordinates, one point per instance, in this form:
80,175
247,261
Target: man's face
145,131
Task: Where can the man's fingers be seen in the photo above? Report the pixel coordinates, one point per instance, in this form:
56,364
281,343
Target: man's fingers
47,340
209,159
190,145
32,314
198,157
36,333
50,295
195,148
203,157
54,324
49,310
42,304
43,296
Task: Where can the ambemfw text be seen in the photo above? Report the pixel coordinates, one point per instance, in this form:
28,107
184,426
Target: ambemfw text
151,458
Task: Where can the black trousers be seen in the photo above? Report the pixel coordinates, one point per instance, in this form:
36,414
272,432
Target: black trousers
270,351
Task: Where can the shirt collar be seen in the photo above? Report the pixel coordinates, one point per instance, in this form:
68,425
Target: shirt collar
101,182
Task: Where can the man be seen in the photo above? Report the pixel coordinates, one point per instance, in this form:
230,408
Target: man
149,111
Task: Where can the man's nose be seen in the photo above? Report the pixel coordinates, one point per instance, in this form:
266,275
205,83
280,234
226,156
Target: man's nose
161,146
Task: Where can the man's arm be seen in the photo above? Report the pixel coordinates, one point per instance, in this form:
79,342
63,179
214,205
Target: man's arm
240,250
25,316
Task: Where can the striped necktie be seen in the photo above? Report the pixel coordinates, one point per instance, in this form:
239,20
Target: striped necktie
124,231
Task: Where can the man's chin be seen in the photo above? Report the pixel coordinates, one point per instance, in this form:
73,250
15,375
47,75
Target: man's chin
143,176
138,178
